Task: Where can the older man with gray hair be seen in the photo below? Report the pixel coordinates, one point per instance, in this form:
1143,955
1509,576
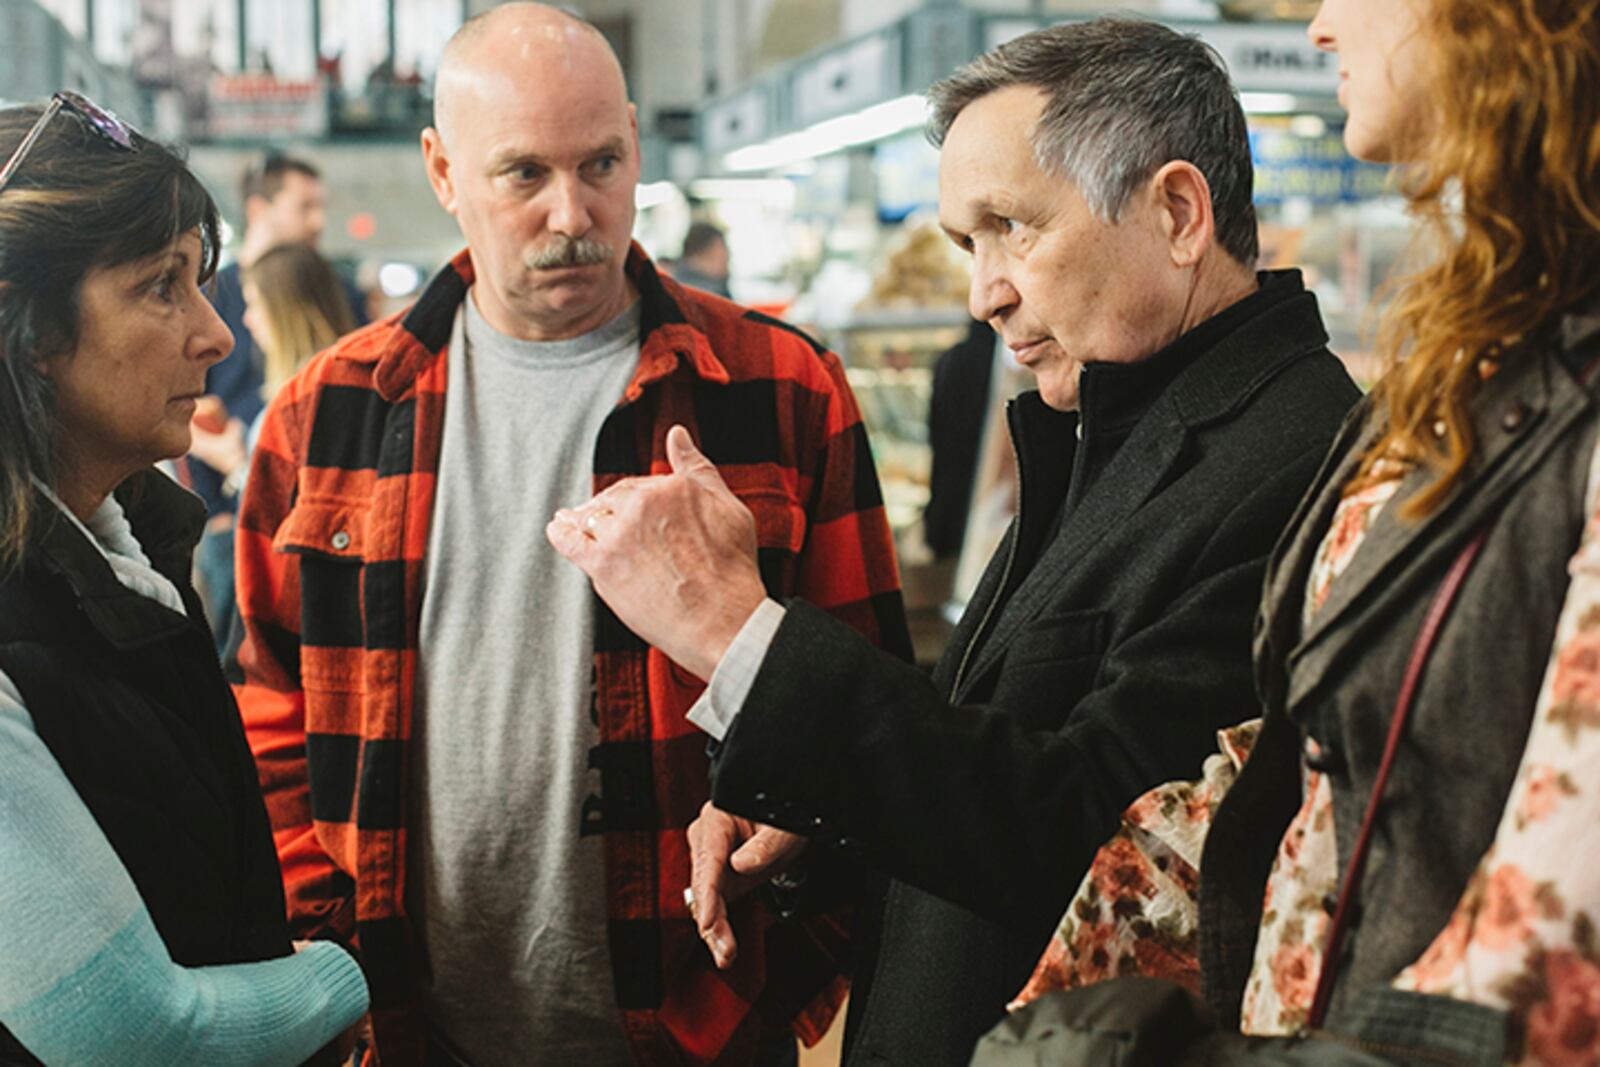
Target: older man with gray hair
1099,176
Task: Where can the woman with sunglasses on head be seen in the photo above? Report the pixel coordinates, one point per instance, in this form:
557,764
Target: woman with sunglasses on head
141,910
1407,868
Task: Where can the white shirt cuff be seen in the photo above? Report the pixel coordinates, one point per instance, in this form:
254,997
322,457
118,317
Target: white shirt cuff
731,682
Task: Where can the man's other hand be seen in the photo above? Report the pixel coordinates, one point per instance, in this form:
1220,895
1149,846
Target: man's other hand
732,856
673,556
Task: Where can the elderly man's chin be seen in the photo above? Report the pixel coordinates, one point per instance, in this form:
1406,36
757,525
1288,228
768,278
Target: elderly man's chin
569,294
1058,387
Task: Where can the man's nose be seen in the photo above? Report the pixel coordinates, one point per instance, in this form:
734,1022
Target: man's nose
991,292
569,210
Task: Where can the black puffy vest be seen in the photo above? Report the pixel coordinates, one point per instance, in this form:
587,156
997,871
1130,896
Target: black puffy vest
130,699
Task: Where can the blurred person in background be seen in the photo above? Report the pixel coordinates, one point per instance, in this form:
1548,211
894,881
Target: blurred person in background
1404,872
284,203
294,308
141,905
471,767
959,407
1099,175
704,260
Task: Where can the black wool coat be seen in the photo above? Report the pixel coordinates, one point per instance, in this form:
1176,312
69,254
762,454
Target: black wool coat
1106,644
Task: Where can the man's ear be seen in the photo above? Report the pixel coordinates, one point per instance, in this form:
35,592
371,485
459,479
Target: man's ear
437,164
1183,201
254,205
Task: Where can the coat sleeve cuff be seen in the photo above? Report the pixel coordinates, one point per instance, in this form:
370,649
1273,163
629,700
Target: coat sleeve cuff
731,682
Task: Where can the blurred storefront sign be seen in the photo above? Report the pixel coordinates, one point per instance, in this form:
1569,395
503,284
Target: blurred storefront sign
1266,57
1317,169
1262,56
265,107
859,74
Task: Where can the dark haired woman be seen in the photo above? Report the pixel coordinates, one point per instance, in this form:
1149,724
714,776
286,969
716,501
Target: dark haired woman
141,909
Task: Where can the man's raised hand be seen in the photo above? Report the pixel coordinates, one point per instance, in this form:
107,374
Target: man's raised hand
673,556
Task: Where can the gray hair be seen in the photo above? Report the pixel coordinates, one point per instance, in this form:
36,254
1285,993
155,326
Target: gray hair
1125,97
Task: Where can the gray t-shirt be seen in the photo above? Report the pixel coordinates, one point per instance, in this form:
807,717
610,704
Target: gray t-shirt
508,898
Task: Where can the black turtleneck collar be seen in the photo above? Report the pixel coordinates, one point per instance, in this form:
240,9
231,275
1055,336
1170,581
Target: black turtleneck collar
1112,397
1063,454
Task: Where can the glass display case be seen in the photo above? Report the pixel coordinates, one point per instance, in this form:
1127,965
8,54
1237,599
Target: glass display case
914,311
889,357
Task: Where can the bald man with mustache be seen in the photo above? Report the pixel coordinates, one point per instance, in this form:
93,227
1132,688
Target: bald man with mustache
476,775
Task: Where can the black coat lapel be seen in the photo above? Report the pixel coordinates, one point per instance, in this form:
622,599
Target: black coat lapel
988,587
167,520
1133,475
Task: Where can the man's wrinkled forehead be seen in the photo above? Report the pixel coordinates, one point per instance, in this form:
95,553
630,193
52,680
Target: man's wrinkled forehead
987,163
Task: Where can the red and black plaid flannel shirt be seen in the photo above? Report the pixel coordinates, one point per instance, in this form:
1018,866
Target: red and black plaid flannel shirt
330,547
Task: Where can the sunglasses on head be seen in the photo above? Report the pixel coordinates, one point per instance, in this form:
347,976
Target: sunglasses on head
112,130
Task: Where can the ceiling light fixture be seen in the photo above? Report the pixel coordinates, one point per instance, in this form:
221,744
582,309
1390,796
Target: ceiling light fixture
844,131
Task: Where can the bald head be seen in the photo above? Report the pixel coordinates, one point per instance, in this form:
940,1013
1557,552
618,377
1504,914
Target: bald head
520,48
535,151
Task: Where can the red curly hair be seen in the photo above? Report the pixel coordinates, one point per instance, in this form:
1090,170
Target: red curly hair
1506,188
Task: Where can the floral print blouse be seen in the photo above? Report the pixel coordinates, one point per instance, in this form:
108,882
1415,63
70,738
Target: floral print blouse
1305,875
1525,937
1136,910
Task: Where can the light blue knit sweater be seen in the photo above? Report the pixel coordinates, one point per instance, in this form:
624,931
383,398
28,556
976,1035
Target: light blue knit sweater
85,979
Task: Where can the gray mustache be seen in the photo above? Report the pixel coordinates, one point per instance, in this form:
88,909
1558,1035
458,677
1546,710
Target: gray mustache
569,252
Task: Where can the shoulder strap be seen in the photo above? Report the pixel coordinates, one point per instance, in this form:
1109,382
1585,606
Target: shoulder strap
1349,892
1420,651
1591,494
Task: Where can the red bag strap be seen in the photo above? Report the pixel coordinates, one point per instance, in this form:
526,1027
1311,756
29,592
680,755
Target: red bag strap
1348,893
